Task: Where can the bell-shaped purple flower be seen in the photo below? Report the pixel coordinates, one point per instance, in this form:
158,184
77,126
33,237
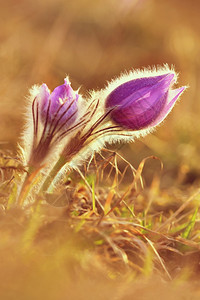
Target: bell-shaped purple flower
54,116
144,102
59,107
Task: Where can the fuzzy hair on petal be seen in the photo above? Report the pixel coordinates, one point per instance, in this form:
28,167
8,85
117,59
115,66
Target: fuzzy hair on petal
27,134
138,73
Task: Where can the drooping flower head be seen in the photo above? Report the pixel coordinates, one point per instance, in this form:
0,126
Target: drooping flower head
143,102
129,107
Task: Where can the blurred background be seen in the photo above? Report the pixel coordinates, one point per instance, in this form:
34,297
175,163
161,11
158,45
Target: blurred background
93,41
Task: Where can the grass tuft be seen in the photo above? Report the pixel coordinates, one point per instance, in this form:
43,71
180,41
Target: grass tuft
98,228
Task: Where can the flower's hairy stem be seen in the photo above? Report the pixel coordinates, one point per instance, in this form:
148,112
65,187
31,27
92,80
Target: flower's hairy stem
57,167
71,150
28,183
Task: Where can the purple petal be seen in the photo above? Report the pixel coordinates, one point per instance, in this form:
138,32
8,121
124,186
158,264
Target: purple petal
43,98
172,97
58,97
140,108
44,92
64,104
129,88
60,107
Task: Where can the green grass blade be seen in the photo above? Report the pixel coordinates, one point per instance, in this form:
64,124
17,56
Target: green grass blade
190,226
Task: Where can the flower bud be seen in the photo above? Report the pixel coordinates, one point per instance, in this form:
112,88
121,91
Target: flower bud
143,102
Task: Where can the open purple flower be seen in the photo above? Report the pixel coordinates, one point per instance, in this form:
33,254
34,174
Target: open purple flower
60,106
143,102
54,116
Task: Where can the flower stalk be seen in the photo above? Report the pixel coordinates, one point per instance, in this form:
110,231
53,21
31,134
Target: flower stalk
32,177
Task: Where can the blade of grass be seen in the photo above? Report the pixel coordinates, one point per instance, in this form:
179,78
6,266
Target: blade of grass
93,195
12,196
190,226
179,210
158,256
85,180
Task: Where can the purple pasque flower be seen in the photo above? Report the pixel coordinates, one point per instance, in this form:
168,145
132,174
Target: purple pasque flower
54,116
143,102
60,106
